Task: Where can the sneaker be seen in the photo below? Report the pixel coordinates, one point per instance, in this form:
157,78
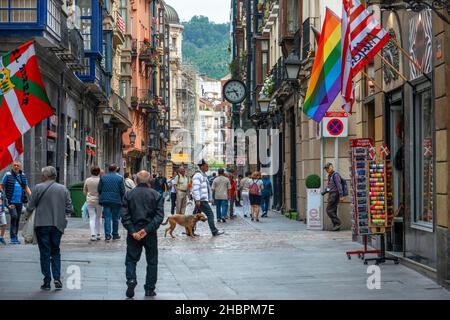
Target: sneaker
218,233
150,293
2,241
107,237
245,216
130,290
223,220
58,285
116,237
253,219
257,220
93,238
46,286
336,228
264,215
15,241
98,237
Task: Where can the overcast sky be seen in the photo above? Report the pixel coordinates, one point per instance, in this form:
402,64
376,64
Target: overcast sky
217,11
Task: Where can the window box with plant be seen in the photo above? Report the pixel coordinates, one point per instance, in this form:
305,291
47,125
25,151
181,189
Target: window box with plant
313,203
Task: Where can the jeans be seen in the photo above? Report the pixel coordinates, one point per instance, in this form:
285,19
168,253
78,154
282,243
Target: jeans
49,239
111,213
206,209
265,202
222,209
173,199
246,203
15,219
231,206
134,251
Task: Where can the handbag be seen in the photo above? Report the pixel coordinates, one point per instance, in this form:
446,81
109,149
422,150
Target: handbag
28,232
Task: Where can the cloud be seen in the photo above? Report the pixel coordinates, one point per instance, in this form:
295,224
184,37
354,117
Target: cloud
217,11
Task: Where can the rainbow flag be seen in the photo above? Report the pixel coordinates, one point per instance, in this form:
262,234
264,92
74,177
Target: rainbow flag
325,82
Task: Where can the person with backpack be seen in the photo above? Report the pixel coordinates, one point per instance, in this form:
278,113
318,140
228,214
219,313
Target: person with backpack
337,190
15,187
160,184
266,194
256,187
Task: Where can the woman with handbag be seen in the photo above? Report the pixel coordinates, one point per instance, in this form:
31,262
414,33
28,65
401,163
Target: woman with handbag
256,186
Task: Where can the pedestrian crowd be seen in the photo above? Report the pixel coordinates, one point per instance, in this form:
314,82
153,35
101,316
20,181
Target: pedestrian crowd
136,201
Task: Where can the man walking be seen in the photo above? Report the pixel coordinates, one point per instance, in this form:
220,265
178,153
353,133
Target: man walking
221,186
181,186
335,195
201,192
111,189
266,194
142,214
160,183
15,186
52,202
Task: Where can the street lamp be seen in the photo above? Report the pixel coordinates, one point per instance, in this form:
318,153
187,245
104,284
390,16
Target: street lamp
263,104
107,115
292,65
132,137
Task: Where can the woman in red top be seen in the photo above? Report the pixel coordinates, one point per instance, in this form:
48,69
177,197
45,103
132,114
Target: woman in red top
232,195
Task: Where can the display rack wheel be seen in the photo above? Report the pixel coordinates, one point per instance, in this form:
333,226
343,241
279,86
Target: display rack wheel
365,262
349,257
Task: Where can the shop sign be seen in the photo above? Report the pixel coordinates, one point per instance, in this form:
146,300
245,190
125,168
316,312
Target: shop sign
313,213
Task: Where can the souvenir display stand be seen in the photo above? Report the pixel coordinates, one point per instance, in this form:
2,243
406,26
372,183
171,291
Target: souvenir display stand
379,203
359,155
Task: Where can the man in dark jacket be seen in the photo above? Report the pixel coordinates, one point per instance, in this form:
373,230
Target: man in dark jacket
142,214
111,189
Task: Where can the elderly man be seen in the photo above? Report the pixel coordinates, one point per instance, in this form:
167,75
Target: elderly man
181,186
15,187
142,214
201,192
52,202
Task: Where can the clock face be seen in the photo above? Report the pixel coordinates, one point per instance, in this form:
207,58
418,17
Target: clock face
234,91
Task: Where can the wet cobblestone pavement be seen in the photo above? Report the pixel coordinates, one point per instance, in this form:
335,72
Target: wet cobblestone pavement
274,259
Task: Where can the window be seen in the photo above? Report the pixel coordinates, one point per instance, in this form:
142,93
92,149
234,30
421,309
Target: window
123,12
87,67
424,159
265,58
18,11
53,16
86,23
123,89
292,16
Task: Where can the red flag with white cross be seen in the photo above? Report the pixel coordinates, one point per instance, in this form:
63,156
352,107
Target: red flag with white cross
23,100
384,150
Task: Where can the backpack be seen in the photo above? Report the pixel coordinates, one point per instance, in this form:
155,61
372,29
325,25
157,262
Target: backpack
343,184
254,189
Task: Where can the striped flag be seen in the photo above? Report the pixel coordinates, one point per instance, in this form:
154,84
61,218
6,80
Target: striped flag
120,23
362,38
11,153
23,100
325,82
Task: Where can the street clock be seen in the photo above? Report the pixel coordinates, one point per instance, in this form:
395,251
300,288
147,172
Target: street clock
234,91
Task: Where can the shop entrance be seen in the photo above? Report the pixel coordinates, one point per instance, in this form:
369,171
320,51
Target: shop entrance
396,142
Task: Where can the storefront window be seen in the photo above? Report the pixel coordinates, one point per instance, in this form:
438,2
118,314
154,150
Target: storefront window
424,135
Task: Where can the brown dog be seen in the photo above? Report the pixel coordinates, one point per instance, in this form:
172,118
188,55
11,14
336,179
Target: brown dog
188,222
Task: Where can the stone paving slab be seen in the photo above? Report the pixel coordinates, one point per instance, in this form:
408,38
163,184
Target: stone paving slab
274,259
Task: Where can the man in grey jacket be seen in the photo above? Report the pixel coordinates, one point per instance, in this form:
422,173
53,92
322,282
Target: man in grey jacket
52,202
142,214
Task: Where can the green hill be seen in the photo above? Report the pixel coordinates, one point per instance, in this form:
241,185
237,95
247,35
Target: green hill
205,46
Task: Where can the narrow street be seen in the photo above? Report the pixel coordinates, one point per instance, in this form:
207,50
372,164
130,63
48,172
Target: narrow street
274,259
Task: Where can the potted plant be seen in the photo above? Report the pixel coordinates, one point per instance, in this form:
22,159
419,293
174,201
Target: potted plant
313,202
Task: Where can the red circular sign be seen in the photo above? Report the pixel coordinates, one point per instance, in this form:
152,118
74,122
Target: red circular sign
335,127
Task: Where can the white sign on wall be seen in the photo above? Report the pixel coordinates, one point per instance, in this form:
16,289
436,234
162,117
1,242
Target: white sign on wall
313,212
335,125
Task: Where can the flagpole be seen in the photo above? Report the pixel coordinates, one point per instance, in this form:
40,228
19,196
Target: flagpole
410,58
396,71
